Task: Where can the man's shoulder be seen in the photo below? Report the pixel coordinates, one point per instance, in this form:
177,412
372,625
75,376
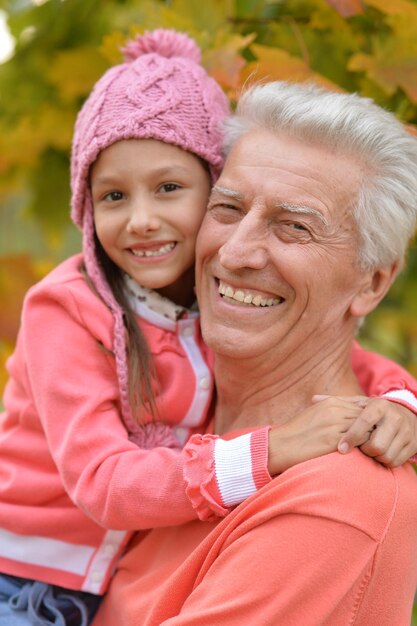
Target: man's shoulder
351,489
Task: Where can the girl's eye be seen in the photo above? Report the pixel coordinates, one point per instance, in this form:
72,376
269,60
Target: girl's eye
167,187
114,196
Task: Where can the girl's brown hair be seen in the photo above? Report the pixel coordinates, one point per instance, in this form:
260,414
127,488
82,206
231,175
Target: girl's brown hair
142,377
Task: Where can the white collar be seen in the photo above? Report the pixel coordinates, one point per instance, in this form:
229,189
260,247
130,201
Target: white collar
154,301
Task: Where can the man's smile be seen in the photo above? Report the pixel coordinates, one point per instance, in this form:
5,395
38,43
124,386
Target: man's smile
246,297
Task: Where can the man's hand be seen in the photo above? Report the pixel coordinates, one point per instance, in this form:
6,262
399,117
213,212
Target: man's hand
390,428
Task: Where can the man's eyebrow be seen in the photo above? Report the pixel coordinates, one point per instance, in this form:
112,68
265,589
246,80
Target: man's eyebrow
297,208
224,191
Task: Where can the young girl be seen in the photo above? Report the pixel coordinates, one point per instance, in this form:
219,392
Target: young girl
110,376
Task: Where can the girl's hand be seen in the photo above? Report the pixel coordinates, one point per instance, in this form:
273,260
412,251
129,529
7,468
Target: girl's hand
315,431
392,430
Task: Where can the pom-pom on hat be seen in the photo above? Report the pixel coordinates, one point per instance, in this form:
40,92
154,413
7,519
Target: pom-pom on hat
160,92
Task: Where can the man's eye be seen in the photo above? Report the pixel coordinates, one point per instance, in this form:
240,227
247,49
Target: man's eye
294,232
168,187
298,226
220,206
225,213
114,196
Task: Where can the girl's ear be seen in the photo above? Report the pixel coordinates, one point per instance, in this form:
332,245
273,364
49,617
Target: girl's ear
376,284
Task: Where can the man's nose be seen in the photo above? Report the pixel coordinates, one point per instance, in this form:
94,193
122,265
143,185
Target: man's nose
246,246
143,217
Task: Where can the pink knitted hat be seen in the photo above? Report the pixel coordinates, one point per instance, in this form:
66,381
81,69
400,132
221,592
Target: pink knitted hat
159,92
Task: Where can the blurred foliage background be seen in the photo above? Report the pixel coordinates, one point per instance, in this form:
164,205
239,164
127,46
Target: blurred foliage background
61,47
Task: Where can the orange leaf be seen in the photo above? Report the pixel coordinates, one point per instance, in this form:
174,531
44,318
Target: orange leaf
17,274
277,64
224,61
410,128
389,73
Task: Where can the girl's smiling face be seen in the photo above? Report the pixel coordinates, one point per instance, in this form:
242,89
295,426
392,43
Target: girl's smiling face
149,199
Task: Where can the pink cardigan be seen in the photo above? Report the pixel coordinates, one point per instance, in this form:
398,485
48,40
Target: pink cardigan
330,542
73,484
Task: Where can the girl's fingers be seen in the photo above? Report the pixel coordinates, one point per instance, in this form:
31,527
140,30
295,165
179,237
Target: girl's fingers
396,454
364,427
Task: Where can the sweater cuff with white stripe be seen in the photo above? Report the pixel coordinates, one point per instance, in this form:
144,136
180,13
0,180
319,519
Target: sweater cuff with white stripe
406,398
402,396
221,473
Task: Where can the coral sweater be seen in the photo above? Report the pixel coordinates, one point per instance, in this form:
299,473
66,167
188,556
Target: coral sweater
330,542
73,484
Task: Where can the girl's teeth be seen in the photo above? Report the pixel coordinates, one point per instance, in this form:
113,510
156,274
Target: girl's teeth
162,250
247,298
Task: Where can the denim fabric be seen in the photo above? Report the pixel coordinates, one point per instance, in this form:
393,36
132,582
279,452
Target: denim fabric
30,603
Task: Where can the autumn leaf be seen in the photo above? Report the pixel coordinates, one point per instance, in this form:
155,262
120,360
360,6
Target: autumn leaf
224,62
394,7
17,274
276,64
391,67
74,72
411,129
6,349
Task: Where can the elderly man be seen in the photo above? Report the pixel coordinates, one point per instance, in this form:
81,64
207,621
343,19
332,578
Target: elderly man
305,232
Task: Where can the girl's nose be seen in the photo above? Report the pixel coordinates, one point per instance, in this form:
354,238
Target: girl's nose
246,246
143,219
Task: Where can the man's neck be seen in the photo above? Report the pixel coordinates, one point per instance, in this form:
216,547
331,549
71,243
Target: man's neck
255,392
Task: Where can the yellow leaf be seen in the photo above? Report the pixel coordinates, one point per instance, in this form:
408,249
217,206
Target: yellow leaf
56,125
202,16
49,125
111,47
74,71
22,143
6,349
394,7
199,20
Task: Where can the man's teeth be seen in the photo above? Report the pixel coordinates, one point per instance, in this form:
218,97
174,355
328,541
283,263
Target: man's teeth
246,297
158,252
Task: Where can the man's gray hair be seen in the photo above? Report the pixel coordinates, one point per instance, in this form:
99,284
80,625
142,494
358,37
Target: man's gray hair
385,209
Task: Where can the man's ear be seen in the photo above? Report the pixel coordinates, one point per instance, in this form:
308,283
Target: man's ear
375,285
